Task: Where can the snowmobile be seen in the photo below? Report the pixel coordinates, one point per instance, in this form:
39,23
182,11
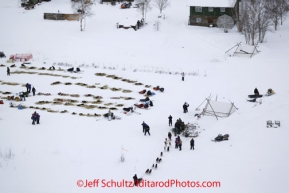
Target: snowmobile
270,92
221,137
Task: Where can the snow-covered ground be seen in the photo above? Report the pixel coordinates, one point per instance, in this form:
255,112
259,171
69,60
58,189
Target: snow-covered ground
64,148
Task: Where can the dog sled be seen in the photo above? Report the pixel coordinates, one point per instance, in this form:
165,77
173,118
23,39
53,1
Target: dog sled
143,91
252,100
255,96
158,88
221,137
129,110
141,106
145,100
111,117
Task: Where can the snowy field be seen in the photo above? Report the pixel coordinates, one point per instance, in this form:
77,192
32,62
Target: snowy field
53,156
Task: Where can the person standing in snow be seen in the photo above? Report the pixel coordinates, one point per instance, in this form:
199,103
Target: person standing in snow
192,142
8,71
29,88
256,91
33,91
185,107
143,126
146,128
180,143
35,118
135,180
170,120
183,76
22,96
170,136
177,142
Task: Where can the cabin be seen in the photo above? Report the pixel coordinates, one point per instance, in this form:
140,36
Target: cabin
207,12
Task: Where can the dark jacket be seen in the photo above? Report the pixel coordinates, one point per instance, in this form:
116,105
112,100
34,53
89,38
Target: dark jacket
177,140
256,91
145,126
135,177
192,142
35,116
170,117
151,103
169,134
33,89
185,106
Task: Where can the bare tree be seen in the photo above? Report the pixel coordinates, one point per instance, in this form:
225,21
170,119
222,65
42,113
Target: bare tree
272,7
249,21
255,19
283,10
264,21
236,15
144,6
83,8
162,4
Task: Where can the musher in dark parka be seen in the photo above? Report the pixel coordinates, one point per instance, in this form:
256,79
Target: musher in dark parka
35,118
256,92
185,107
170,120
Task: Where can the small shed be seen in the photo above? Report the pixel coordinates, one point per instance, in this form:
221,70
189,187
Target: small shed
207,12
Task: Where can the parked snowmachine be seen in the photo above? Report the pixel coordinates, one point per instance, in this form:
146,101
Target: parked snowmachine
270,92
221,137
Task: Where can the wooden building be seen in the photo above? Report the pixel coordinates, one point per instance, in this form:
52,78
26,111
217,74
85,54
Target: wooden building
207,12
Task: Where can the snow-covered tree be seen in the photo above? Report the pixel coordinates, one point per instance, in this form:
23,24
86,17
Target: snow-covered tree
83,8
162,4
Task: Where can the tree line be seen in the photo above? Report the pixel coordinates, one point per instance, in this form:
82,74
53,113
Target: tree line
256,17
